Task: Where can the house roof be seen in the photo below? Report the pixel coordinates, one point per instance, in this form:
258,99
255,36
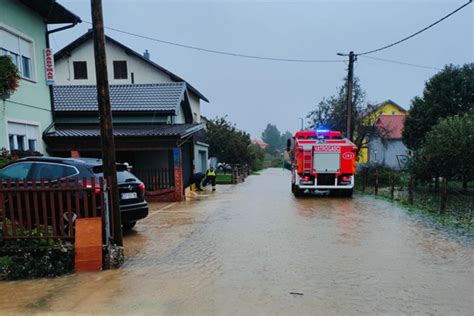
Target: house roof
124,130
389,101
392,124
88,36
259,143
160,97
51,11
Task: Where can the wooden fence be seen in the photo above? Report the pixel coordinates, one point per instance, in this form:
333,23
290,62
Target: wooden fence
47,209
237,175
156,179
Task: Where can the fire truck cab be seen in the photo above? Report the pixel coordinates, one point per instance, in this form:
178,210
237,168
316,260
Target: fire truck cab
322,160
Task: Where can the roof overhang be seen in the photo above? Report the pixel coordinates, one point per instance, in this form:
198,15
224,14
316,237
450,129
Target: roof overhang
51,11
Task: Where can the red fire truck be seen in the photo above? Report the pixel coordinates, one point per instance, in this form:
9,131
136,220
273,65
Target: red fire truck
322,160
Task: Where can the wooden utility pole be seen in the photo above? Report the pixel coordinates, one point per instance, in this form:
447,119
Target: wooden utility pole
105,113
350,82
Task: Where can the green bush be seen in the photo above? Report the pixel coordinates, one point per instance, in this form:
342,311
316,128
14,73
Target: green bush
28,258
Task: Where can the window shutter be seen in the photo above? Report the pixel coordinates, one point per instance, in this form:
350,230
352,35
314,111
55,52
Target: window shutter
26,48
9,41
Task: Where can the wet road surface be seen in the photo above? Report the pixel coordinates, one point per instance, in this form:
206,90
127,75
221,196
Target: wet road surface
246,248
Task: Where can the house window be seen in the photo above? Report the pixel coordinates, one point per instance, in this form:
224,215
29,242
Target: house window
11,141
32,144
23,136
20,141
80,70
20,50
120,69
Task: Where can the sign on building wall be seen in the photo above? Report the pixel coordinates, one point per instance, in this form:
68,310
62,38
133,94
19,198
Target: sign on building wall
49,64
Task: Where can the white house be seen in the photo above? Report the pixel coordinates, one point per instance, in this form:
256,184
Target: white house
146,100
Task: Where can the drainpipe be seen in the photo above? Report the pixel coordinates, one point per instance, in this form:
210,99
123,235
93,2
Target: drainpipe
48,32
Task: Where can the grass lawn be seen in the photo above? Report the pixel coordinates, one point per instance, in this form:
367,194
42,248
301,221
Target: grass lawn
224,178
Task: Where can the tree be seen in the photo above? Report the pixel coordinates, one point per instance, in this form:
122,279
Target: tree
271,135
284,137
9,77
446,151
447,93
330,113
227,143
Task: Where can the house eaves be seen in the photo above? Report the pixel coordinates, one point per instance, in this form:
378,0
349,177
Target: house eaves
51,11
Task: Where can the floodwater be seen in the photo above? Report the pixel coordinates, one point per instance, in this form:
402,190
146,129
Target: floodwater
255,249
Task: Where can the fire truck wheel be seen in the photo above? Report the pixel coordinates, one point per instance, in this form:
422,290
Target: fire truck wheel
298,192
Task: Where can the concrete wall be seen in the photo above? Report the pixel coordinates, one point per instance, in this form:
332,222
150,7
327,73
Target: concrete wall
195,107
143,72
31,103
386,154
180,118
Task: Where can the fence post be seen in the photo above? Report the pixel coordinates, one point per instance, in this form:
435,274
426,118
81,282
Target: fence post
234,175
411,185
364,178
376,186
444,197
392,186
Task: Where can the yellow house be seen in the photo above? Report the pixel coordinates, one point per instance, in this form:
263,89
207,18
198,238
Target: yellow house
388,107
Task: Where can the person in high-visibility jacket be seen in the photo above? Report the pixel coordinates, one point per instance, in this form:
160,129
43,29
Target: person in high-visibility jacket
210,178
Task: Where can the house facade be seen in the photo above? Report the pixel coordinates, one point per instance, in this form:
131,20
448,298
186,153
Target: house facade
386,108
74,65
157,117
23,37
389,150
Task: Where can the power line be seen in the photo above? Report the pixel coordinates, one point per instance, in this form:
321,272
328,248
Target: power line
416,33
401,63
295,60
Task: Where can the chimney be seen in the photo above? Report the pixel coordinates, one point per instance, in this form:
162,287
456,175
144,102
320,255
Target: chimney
146,54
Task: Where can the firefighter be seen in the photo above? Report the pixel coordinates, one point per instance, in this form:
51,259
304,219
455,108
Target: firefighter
210,178
197,181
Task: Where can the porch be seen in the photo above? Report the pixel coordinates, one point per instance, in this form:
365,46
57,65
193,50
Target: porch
161,155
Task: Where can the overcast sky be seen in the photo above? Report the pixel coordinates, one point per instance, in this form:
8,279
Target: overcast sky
253,93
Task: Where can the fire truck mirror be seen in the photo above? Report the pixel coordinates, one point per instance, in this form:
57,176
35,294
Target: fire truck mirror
288,144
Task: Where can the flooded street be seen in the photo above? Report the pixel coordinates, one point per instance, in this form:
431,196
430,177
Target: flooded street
247,248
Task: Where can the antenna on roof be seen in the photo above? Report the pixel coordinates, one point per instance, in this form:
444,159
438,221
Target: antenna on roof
146,54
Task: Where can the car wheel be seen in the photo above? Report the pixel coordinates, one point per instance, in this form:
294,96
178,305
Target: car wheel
128,226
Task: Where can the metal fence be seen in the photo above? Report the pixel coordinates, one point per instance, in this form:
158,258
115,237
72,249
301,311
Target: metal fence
47,209
156,179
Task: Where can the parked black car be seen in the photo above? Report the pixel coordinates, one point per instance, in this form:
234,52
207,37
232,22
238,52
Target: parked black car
133,206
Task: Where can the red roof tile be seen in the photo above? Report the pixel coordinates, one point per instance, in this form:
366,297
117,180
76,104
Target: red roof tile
393,125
